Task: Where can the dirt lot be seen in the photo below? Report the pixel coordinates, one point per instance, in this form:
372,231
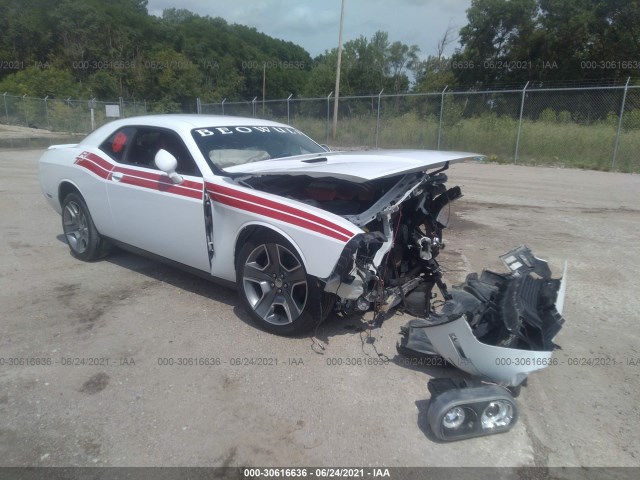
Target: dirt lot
134,313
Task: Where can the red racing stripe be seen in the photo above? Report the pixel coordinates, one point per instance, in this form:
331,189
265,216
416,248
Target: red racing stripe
278,211
155,177
285,217
278,206
98,160
162,186
153,181
92,167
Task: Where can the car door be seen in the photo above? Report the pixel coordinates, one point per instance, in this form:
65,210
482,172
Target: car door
149,211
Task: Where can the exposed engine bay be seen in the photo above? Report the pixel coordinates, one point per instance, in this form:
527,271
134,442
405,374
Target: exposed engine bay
402,217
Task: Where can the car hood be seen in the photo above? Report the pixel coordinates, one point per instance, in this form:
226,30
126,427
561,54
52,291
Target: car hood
354,166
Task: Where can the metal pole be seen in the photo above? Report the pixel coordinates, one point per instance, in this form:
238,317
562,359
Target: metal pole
121,107
441,114
615,148
6,110
328,117
335,102
46,111
378,119
24,105
145,107
524,91
69,116
198,111
92,104
253,104
264,85
288,115
224,100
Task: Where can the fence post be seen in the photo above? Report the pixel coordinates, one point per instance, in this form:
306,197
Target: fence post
24,106
46,111
326,140
288,115
198,106
122,107
92,107
253,104
615,148
223,100
145,107
378,118
6,110
69,116
515,156
441,114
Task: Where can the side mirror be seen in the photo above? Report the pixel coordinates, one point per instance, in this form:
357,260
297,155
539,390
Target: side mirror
326,147
168,164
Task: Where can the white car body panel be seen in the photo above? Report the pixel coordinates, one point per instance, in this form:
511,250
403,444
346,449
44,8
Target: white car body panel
57,166
168,221
354,166
318,236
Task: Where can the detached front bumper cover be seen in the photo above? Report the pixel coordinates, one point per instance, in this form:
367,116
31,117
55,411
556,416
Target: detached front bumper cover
499,327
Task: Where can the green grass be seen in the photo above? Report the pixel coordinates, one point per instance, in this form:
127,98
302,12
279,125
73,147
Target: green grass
541,142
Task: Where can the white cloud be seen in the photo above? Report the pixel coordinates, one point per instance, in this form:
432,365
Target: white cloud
313,24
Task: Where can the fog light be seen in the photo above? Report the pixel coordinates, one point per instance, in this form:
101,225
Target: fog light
497,414
453,418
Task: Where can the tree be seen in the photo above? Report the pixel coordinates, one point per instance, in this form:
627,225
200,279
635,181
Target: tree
401,58
548,40
498,31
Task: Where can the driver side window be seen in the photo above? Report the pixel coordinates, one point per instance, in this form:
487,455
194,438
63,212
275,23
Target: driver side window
148,141
138,146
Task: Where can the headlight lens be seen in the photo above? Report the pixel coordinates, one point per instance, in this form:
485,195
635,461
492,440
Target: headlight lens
498,413
454,418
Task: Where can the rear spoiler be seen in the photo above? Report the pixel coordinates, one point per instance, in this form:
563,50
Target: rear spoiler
65,145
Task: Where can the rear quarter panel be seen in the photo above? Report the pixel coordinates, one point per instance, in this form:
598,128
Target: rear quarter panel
58,166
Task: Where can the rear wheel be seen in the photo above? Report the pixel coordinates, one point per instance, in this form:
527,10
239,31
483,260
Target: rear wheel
275,288
85,243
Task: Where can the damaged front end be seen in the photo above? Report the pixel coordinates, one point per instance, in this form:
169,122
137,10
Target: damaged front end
396,253
497,327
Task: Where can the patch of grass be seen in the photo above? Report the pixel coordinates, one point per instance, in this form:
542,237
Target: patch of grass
548,142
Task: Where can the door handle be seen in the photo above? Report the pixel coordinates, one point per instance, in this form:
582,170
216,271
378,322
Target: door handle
116,176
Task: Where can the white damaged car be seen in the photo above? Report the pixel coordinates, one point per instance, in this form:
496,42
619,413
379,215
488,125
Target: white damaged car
302,232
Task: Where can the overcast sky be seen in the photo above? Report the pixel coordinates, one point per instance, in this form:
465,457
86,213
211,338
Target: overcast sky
313,24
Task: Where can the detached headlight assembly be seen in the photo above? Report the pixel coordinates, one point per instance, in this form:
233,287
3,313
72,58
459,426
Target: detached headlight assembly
465,412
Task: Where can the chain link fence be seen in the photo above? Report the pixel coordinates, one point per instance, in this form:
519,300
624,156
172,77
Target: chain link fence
69,116
588,127
594,127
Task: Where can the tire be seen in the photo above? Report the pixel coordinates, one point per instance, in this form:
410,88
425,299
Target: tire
85,243
274,286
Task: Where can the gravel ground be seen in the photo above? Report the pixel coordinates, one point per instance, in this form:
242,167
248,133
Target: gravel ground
135,313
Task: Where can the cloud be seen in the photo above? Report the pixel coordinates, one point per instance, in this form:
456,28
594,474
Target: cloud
313,24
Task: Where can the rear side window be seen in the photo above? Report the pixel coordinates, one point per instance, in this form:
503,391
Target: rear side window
116,145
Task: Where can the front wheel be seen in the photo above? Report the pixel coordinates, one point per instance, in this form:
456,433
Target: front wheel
85,243
275,288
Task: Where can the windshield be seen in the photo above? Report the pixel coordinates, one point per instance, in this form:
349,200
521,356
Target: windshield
228,146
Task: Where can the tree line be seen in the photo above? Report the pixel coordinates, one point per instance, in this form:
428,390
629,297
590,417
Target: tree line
111,49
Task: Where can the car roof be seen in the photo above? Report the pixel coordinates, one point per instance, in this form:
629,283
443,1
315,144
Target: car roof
178,122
